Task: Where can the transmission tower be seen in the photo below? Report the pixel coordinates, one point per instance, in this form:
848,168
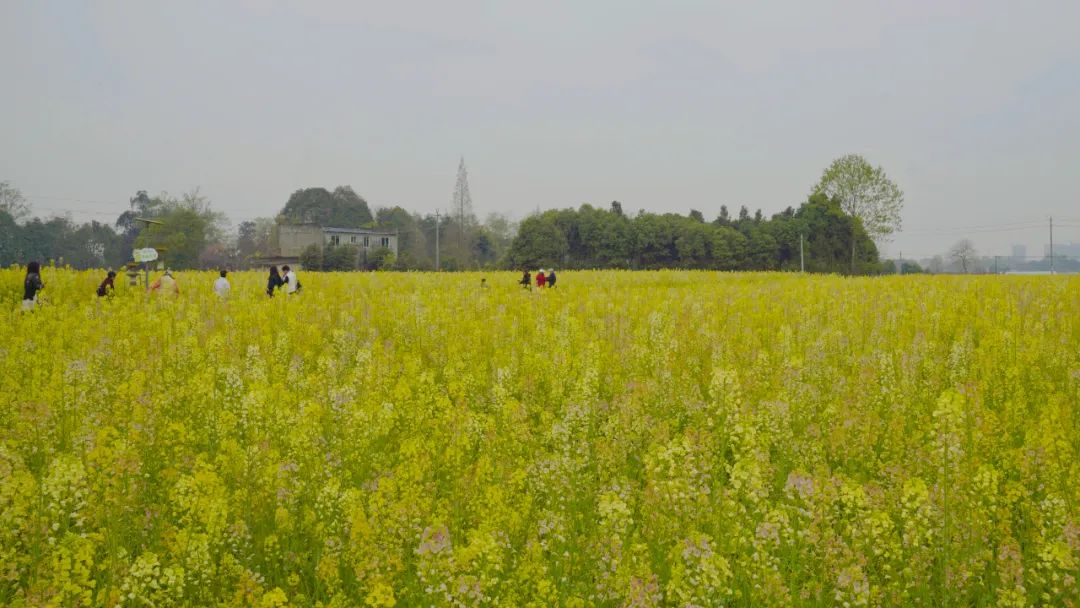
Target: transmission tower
462,205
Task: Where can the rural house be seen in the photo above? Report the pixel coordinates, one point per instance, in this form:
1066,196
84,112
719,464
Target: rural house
293,239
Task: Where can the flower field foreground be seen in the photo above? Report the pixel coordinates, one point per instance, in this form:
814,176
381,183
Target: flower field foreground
627,439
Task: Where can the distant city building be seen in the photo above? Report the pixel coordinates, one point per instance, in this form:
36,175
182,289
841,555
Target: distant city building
1062,250
1019,253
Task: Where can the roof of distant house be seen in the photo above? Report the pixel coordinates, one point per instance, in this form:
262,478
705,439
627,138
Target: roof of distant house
359,231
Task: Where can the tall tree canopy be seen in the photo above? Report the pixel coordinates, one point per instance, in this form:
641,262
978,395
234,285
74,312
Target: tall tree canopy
186,226
864,192
341,208
12,202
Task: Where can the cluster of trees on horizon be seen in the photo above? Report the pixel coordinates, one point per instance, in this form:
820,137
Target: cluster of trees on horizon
589,237
852,206
192,235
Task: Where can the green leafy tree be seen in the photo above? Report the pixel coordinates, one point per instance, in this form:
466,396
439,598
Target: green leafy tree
9,239
589,237
724,219
183,229
246,238
96,245
911,268
483,248
864,192
89,245
763,250
253,239
341,257
380,258
412,241
692,245
540,242
342,208
329,258
604,239
727,248
828,233
613,241
502,231
311,258
181,236
654,240
13,203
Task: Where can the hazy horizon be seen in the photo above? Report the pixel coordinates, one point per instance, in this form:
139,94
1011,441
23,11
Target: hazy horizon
971,107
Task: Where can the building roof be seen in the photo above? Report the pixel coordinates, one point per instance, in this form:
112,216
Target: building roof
359,231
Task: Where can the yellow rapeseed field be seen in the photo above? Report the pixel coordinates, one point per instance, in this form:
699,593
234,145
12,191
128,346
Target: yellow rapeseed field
627,439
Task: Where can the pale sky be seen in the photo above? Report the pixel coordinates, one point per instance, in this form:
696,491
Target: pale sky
973,107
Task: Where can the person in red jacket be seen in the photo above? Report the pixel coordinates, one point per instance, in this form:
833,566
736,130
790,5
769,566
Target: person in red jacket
541,280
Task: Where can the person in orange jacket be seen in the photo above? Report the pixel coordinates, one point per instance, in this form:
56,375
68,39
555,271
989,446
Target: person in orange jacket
166,285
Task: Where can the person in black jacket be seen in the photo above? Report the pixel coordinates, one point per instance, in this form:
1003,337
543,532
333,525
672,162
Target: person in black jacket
274,282
32,284
551,278
107,286
526,280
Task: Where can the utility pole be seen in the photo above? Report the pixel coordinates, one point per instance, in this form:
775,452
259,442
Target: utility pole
436,240
900,267
802,264
146,264
1051,244
995,264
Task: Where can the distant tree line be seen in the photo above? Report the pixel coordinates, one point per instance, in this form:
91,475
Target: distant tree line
190,234
591,237
853,204
187,231
89,245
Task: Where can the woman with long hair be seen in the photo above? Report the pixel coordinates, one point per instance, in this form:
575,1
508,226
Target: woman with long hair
32,284
273,282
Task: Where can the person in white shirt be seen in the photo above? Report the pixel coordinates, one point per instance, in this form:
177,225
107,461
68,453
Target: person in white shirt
292,284
221,286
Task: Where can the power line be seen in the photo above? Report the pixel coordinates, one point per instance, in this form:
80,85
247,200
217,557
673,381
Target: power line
74,200
912,256
975,230
86,211
114,214
979,226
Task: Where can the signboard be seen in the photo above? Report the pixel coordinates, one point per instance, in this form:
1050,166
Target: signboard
148,254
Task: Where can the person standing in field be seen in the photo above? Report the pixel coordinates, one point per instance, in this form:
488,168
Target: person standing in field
526,280
273,282
166,285
107,286
551,278
221,286
292,284
541,280
32,284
